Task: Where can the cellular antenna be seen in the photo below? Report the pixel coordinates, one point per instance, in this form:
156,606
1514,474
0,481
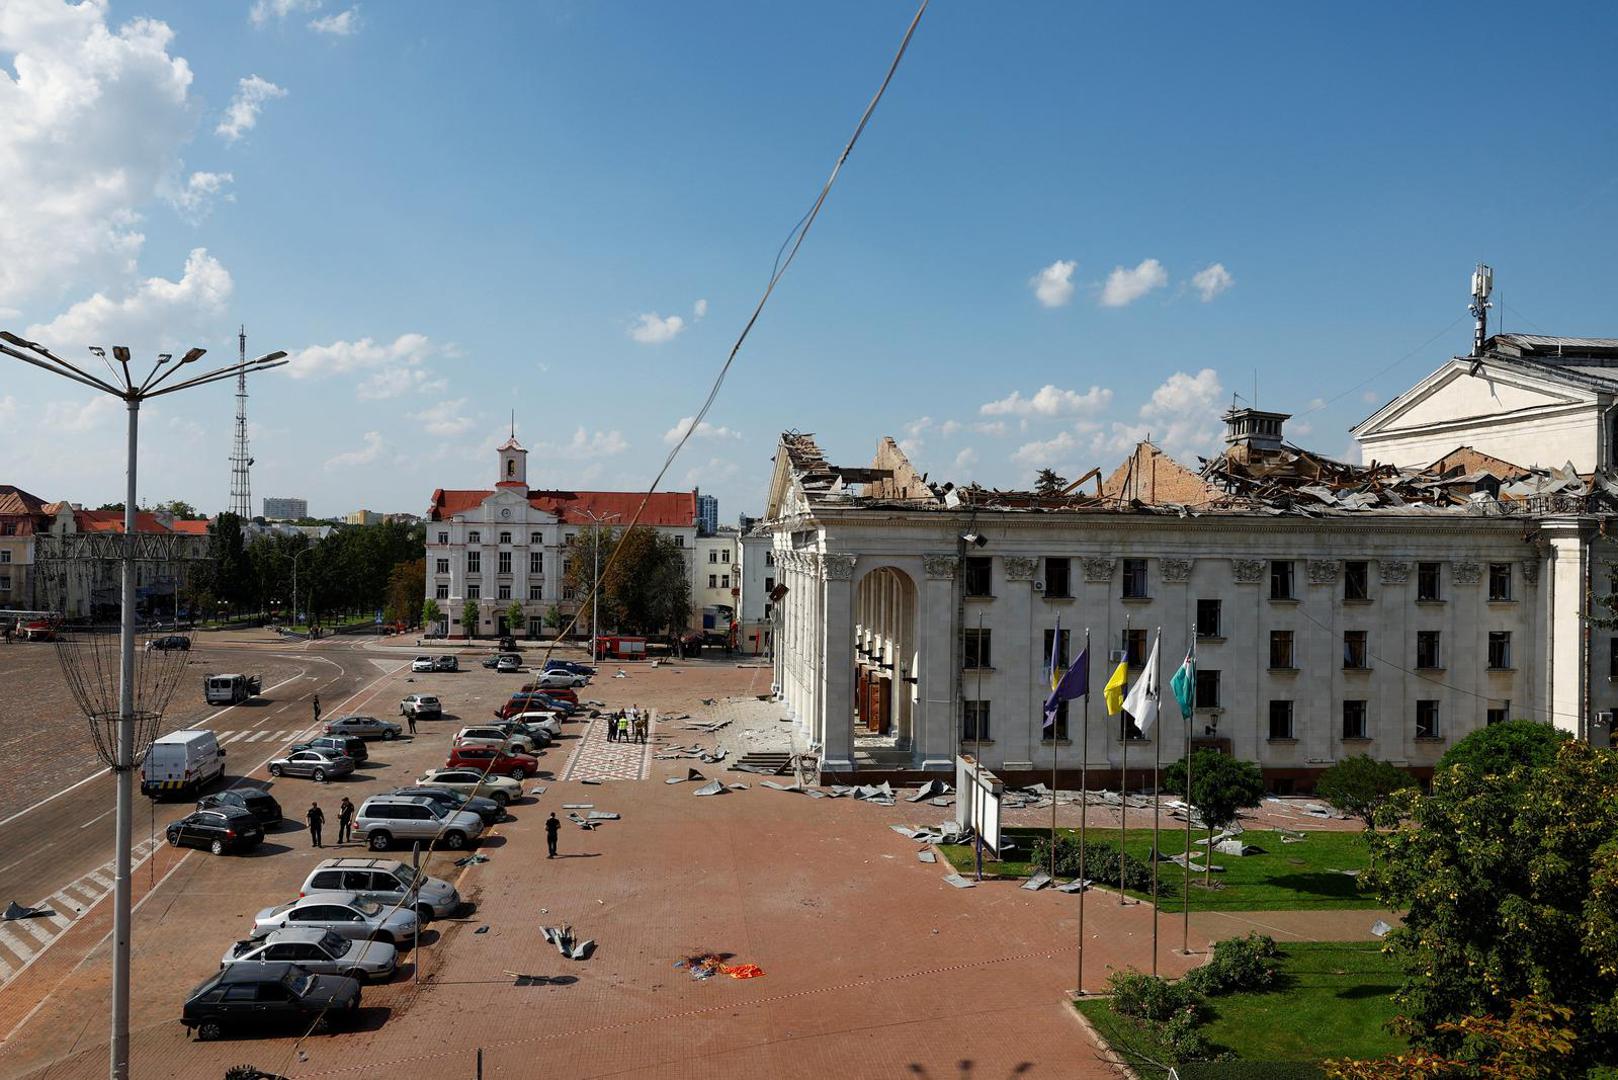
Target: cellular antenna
241,487
1482,288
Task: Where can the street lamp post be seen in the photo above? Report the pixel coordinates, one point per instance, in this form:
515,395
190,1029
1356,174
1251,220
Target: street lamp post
595,578
133,392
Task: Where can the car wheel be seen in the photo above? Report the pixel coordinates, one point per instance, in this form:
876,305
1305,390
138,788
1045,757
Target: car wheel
455,841
357,974
174,839
379,840
209,1030
388,733
424,913
501,799
319,775
322,1025
217,847
517,773
275,770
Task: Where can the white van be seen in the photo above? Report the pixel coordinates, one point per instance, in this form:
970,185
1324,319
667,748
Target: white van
181,762
230,689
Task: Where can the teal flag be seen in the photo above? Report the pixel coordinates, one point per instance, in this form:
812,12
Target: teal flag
1184,683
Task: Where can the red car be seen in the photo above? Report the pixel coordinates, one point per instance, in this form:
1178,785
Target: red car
560,693
493,760
521,703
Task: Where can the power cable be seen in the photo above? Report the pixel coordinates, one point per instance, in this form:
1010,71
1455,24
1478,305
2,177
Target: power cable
1383,371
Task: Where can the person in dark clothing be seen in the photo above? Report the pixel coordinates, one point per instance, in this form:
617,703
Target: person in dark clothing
612,727
317,708
410,718
552,827
316,818
345,820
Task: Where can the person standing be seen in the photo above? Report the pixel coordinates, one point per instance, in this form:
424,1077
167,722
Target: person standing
552,827
345,821
623,729
317,708
410,718
316,818
612,727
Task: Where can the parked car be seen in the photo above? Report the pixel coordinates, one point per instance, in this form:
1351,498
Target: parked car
557,679
555,693
363,727
256,996
182,762
422,706
508,664
491,660
423,663
318,765
219,829
502,789
388,881
168,642
486,809
508,643
576,668
232,688
503,737
446,663
548,722
320,951
385,819
540,738
351,746
349,915
530,702
492,759
256,801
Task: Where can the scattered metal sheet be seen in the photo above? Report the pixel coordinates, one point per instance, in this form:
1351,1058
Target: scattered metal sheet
904,830
959,882
581,822
930,789
1075,885
816,793
1380,928
566,944
578,806
537,792
694,775
712,787
736,787
926,857
675,780
469,860
1037,882
603,815
781,787
15,911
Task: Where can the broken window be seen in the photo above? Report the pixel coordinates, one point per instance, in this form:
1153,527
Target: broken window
1354,726
1356,580
1281,720
1500,581
1499,649
1427,581
975,720
1207,689
1281,649
1426,719
1281,579
1354,650
977,648
1058,577
1427,655
1135,579
979,575
1498,714
1208,618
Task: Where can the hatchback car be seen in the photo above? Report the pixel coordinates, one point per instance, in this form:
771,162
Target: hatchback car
569,665
446,663
505,737
423,663
174,642
219,829
509,665
258,996
318,765
384,820
490,661
423,706
363,727
256,801
349,915
347,745
491,759
557,679
486,809
554,693
320,951
502,789
386,880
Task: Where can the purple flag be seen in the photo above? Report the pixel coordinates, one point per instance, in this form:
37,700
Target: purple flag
1075,683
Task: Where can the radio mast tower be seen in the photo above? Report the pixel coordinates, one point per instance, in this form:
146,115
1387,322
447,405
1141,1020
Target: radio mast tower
241,488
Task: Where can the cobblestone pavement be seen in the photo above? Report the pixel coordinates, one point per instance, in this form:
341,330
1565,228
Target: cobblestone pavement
594,758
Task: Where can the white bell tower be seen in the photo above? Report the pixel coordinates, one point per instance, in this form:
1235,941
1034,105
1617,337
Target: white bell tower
513,462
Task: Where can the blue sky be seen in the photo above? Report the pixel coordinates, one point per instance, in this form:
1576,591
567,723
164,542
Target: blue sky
447,212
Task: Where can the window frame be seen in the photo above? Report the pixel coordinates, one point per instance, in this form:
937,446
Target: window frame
977,576
976,711
1064,576
1362,722
977,649
1499,654
1283,579
1283,650
1135,585
1429,650
1356,580
1282,709
1361,638
1500,583
1434,720
1436,594
1218,606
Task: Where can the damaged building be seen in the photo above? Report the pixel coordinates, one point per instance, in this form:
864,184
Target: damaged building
1385,608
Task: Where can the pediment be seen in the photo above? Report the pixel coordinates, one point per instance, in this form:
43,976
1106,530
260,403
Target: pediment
1454,394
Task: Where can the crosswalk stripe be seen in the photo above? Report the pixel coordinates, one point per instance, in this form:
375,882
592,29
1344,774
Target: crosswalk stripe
32,927
5,971
256,736
15,944
234,735
77,890
61,912
101,880
279,736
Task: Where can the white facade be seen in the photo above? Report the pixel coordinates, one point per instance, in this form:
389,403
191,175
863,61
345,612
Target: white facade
288,509
716,581
756,631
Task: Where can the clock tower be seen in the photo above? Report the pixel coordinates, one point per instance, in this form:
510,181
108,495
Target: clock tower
513,465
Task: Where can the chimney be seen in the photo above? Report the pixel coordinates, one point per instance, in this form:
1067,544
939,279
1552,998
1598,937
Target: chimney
1254,428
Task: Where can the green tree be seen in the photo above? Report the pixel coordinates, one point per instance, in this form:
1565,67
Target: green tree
555,618
469,618
1220,786
430,613
514,619
1498,748
406,582
1509,884
645,586
1049,483
1358,785
230,572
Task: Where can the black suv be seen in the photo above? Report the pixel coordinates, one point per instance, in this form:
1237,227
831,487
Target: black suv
219,829
169,641
261,804
351,745
264,995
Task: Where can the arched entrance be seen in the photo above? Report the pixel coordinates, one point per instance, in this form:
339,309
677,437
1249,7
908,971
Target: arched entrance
885,663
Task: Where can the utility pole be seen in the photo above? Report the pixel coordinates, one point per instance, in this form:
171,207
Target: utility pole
241,488
595,576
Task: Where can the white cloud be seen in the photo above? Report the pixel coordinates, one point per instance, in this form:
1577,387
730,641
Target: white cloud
343,24
1053,286
966,459
713,471
79,417
653,329
916,427
585,445
1050,400
1048,451
195,200
365,455
1125,286
345,357
241,115
263,11
444,419
997,428
158,314
92,119
1182,418
1212,280
699,309
704,430
1370,397
396,382
949,427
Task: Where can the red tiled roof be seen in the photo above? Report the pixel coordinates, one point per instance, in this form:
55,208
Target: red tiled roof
666,508
112,521
191,528
14,500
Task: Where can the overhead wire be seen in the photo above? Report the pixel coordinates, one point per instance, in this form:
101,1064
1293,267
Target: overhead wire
1383,371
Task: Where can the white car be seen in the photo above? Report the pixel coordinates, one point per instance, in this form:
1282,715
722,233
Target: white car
550,722
502,789
508,665
493,736
548,680
422,663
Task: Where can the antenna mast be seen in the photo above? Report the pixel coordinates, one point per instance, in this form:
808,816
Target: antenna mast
1482,288
241,488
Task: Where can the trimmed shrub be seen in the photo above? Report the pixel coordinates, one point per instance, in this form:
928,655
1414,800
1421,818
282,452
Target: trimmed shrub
1147,997
1100,862
1238,964
1250,1070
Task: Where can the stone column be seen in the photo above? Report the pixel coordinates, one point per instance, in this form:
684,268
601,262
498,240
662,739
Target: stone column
1564,629
936,721
836,676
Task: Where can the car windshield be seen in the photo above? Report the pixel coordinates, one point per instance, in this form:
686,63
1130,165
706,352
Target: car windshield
368,908
299,982
333,943
404,876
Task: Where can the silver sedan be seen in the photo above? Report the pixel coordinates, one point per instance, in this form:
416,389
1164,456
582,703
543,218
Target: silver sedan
363,727
323,952
316,764
345,913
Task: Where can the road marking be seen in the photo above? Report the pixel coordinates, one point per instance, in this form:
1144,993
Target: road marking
5,970
95,876
15,943
67,904
95,819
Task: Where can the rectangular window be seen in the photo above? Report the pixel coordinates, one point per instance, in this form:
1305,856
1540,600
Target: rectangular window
1356,580
5,583
5,555
713,581
724,556
1427,654
1207,689
1500,581
1612,658
1135,579
474,537
536,538
505,592
504,566
1135,648
1058,730
1426,719
1281,649
769,558
1208,618
441,592
1058,577
443,538
679,541
724,581
769,585
977,649
1428,576
1355,653
474,592
1280,719
1281,579
474,562
443,566
1498,714
1354,726
975,720
979,575
1499,649
505,538
536,562
534,592
713,555
1061,651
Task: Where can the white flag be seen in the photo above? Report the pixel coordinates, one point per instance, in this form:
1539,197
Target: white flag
1141,701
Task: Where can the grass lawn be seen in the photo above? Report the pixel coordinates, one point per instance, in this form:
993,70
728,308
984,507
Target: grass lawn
1282,877
1331,1001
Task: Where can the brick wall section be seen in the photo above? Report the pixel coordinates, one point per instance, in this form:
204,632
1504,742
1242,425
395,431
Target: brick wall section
1153,477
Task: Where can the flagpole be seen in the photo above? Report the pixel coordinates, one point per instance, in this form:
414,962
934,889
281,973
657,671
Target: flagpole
1185,884
1084,803
1157,765
1123,806
1055,646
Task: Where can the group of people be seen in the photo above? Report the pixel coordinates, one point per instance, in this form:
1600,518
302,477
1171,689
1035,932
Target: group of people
316,817
628,725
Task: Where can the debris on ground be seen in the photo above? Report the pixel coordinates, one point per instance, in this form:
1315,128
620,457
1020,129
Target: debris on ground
484,929
562,937
705,966
712,787
707,727
770,764
587,826
592,783
470,860
1075,885
959,882
735,787
578,806
537,792
926,857
603,815
781,787
930,789
1380,928
15,911
622,674
1037,882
